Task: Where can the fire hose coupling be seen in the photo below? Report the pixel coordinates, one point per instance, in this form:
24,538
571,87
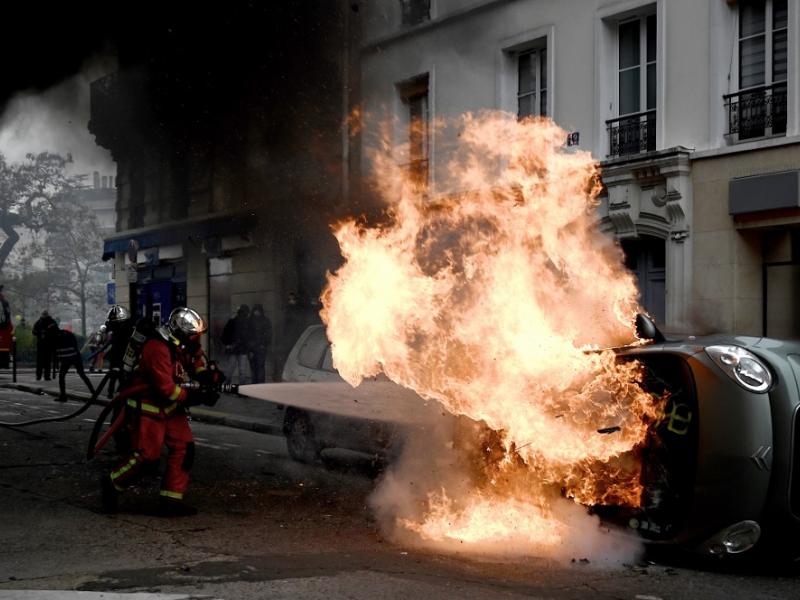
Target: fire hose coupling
220,388
207,393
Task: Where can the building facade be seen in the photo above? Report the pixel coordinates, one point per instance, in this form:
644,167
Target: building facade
231,163
691,107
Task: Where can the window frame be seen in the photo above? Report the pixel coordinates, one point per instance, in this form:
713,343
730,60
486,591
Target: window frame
763,110
541,56
507,49
409,91
769,54
642,65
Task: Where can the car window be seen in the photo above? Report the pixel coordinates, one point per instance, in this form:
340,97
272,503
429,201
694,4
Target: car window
311,351
327,360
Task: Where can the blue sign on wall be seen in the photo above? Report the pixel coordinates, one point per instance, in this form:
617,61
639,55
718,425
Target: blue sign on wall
111,292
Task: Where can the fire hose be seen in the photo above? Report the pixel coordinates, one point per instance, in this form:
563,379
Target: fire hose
119,402
67,417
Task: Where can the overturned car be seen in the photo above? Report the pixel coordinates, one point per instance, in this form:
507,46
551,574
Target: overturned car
719,470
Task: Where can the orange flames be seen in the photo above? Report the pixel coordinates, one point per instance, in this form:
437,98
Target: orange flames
487,297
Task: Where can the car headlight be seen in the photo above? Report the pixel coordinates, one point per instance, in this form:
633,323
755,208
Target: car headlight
742,366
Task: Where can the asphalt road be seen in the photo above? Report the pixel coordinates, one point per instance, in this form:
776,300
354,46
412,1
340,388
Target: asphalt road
268,528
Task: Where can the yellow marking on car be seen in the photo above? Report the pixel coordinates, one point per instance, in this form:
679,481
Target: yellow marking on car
678,423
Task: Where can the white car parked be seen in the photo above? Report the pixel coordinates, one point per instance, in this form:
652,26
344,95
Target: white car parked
309,432
310,358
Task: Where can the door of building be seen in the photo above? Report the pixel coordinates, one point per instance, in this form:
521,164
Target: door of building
156,299
781,288
646,258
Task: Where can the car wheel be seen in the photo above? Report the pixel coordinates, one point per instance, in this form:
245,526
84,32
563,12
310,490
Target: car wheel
300,440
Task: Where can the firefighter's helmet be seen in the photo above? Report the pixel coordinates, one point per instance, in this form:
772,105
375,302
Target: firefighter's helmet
186,324
117,314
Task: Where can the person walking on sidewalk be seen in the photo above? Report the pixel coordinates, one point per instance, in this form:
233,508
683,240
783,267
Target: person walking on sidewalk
235,338
44,331
69,356
170,357
259,334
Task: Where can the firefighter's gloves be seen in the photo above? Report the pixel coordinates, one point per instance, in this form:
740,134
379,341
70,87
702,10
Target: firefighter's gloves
211,376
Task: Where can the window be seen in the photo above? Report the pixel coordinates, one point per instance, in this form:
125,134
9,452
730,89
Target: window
637,65
414,95
635,129
532,83
759,108
312,350
415,11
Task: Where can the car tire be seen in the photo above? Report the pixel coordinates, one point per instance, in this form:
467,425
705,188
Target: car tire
300,441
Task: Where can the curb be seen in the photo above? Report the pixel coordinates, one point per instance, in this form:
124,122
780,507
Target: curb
42,391
198,414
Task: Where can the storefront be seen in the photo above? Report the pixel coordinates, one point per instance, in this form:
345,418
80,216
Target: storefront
747,241
160,268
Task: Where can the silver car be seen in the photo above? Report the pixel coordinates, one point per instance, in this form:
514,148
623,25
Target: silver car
721,471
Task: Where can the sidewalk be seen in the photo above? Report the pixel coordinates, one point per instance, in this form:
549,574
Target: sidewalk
231,410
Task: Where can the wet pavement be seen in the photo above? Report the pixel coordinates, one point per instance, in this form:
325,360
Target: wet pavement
268,527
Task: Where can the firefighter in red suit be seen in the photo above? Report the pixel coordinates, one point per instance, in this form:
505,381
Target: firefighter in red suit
158,416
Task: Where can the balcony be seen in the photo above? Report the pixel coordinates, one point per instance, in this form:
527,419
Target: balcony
632,134
756,112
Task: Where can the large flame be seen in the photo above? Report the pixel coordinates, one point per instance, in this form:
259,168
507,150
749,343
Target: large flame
494,299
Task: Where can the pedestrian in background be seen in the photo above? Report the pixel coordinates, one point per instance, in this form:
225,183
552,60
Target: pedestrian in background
5,315
6,331
235,339
44,331
259,337
68,356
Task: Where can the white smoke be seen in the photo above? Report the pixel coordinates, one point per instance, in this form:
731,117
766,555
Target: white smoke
56,120
430,462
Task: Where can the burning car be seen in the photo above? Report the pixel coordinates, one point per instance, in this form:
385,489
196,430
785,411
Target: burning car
502,301
718,468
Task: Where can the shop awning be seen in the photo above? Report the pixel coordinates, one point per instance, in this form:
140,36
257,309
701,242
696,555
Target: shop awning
175,232
758,193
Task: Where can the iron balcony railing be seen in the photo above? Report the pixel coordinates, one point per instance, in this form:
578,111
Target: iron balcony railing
632,134
757,112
